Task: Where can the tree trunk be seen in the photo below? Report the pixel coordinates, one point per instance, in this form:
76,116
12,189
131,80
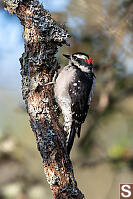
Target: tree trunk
42,36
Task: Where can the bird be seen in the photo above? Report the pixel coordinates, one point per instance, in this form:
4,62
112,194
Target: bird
73,92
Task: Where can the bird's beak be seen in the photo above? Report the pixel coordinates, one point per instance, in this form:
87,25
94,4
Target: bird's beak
67,56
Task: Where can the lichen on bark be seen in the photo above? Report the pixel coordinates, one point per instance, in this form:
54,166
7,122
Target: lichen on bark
43,36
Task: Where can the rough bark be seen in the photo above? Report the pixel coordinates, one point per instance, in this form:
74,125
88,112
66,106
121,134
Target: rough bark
42,36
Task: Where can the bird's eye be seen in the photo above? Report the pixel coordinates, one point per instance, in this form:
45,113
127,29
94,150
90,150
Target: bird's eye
75,58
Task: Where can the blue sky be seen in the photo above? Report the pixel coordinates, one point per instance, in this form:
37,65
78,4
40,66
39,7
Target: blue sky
11,48
55,5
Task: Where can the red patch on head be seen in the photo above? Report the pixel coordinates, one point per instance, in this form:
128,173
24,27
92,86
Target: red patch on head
89,60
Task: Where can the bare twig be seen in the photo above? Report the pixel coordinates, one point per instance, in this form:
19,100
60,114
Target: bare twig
42,36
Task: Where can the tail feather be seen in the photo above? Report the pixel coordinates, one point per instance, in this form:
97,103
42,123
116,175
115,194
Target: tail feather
75,129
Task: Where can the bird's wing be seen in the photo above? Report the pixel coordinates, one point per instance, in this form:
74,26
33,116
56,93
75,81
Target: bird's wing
80,92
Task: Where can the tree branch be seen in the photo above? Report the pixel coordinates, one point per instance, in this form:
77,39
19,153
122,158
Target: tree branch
42,36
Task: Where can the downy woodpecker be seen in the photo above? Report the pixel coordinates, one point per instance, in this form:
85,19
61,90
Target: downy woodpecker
73,91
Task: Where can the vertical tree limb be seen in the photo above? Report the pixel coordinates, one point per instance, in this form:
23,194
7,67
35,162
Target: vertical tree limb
42,37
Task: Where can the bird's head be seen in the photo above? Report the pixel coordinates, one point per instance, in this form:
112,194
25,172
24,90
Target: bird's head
81,60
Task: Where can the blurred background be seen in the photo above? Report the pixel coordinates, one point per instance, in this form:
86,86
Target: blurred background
103,157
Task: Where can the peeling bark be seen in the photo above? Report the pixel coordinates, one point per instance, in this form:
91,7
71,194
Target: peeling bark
42,36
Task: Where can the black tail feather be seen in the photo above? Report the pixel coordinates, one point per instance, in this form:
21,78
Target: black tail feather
75,129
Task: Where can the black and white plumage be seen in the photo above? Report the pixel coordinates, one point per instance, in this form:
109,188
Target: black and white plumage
73,92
